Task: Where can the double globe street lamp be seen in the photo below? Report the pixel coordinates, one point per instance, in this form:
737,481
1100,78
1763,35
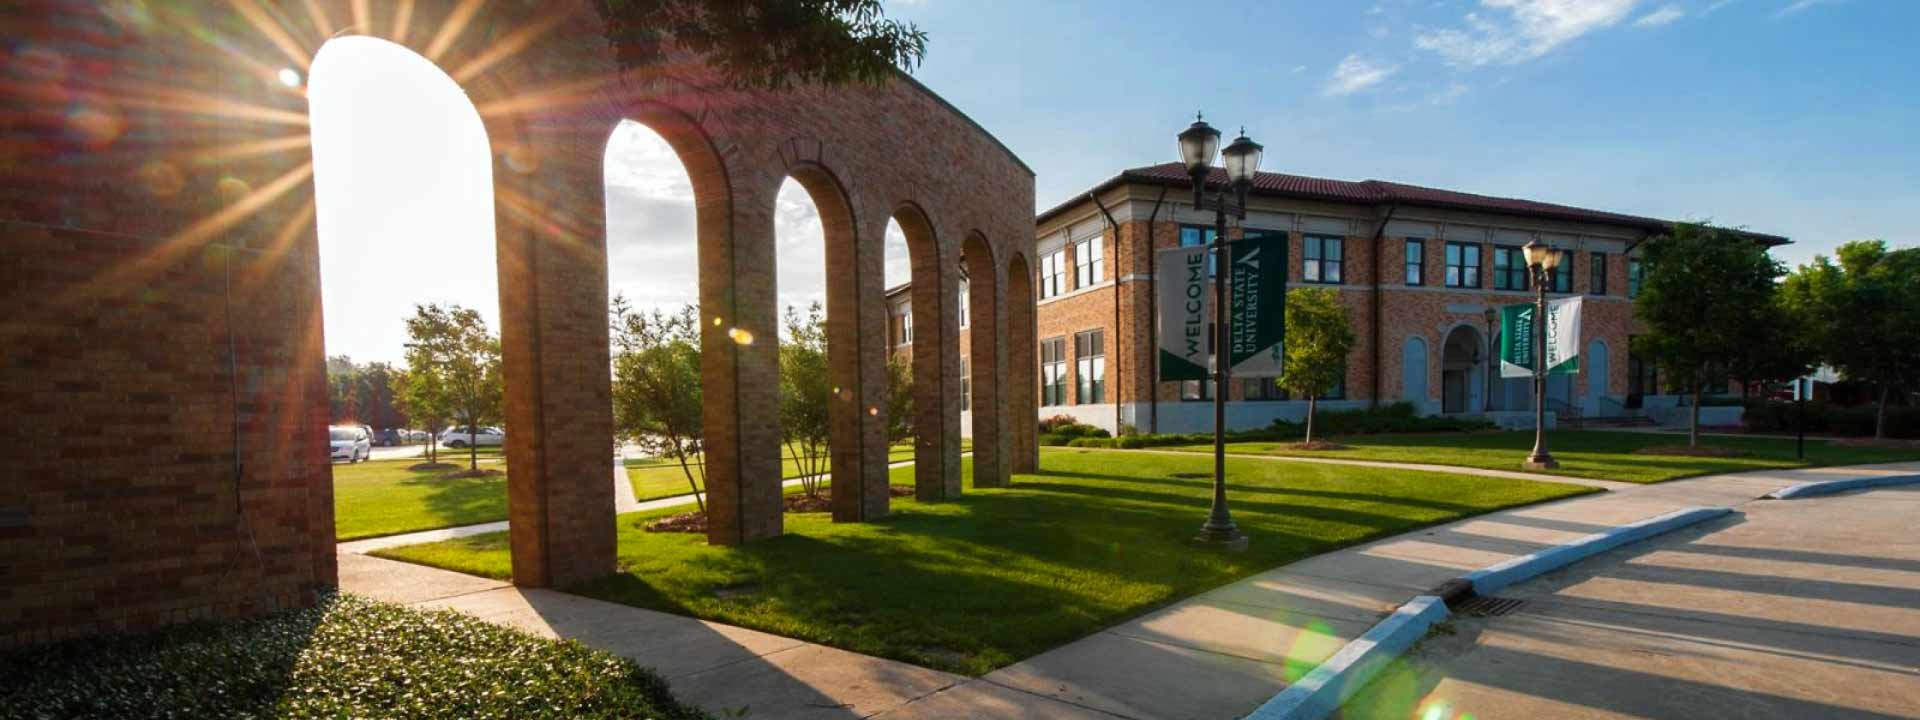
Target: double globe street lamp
1198,145
1542,261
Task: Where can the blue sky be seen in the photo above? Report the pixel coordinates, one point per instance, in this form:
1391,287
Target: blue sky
1788,116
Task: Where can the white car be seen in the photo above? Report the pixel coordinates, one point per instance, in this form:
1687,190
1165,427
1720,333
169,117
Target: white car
459,437
351,444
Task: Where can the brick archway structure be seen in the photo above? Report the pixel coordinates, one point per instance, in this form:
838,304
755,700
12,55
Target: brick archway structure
152,157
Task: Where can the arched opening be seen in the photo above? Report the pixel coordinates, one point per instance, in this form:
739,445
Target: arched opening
855,365
929,327
985,358
404,206
1413,373
1462,357
1023,371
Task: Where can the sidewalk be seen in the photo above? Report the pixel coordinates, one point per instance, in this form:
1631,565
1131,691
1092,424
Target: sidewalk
1224,652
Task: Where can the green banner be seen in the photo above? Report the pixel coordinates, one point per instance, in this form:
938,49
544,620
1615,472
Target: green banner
1517,337
1258,283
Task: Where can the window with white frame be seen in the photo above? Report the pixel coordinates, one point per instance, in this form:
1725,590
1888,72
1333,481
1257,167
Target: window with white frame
1090,367
964,298
1053,269
906,327
1089,261
1053,371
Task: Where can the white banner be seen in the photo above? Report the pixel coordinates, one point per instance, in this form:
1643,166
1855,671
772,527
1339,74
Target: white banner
1563,337
1184,302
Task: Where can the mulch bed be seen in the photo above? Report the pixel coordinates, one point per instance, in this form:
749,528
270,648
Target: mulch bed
1708,451
1316,445
421,467
464,474
687,522
696,522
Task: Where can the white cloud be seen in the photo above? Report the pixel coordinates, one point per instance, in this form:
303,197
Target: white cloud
1799,5
1297,69
1521,30
1356,73
1660,17
1714,7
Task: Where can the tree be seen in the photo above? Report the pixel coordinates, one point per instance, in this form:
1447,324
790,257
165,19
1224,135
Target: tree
1706,301
454,345
806,392
343,395
899,398
766,43
422,394
1863,315
1319,336
656,386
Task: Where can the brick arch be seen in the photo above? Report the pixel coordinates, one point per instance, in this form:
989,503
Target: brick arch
1023,370
988,350
936,372
120,259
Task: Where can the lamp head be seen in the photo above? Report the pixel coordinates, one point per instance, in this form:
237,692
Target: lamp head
1198,144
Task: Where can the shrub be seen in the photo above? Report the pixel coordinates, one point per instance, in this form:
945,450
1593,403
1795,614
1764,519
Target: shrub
347,657
1773,416
1092,442
1130,441
1053,424
1052,440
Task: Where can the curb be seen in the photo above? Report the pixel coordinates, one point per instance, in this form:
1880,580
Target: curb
1492,579
1327,686
1828,487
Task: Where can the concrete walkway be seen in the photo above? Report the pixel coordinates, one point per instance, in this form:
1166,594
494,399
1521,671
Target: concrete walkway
1222,653
1455,469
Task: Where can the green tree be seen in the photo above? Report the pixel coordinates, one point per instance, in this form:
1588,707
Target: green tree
1863,315
1707,299
422,395
766,43
343,390
656,386
899,398
453,344
806,392
1319,337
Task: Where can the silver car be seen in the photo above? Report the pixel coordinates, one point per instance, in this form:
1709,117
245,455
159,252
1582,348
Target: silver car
351,444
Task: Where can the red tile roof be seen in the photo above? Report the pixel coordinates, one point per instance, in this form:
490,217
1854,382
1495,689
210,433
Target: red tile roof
1386,193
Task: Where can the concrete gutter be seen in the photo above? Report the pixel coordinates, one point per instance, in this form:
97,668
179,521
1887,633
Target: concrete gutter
1327,686
1830,487
1492,579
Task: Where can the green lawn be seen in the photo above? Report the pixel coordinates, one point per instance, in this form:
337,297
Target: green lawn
655,478
383,497
1001,574
1597,454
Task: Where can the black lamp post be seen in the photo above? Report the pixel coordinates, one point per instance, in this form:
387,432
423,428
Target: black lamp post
1541,262
1198,144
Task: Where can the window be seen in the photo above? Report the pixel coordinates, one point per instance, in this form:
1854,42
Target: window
1416,261
1635,275
1562,281
1191,235
1339,389
1322,259
906,327
1053,270
1089,261
1509,269
966,386
1597,274
1053,371
1261,389
964,298
1090,367
1463,265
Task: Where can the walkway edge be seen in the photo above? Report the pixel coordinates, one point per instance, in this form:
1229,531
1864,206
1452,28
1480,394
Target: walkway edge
1327,686
1828,487
1493,578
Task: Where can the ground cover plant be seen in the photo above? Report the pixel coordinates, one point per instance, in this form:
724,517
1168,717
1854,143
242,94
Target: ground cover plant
385,497
347,657
1597,454
972,584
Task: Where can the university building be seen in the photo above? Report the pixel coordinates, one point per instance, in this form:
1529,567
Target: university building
1420,271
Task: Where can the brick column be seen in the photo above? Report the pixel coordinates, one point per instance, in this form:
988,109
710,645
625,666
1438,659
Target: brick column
739,369
988,315
936,361
1022,373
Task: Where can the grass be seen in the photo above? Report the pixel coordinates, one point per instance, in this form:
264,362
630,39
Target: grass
655,478
1596,454
1001,574
347,657
383,497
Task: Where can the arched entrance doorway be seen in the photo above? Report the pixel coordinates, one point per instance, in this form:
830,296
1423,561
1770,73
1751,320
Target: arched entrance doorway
1462,357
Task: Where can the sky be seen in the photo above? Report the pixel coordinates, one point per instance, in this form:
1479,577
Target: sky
1791,117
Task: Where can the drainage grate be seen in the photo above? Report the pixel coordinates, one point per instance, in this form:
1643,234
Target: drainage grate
1486,606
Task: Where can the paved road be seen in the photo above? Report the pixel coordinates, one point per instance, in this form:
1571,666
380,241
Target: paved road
1789,609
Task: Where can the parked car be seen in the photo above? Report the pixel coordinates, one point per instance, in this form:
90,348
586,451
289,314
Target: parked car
389,437
418,436
351,444
459,437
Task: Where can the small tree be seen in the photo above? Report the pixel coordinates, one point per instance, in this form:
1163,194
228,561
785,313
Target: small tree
656,387
806,392
899,399
422,395
766,43
1319,336
1863,315
465,358
1705,302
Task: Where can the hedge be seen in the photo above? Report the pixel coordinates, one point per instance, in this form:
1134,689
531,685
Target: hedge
1903,421
1395,418
346,657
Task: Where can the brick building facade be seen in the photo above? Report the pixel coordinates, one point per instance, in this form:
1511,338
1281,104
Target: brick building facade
1418,270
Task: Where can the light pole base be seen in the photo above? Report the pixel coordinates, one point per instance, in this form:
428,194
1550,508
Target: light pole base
1541,461
1230,539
